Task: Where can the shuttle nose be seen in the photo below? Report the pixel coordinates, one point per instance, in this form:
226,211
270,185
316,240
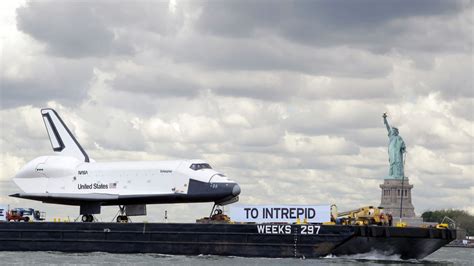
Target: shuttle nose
236,190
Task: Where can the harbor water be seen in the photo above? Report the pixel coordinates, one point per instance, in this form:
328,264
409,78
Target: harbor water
444,256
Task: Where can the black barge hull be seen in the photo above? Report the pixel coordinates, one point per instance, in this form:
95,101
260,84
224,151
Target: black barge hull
247,240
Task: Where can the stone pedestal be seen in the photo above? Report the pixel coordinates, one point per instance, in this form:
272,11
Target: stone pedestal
392,193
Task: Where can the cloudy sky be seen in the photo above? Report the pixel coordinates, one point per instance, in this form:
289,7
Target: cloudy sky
285,97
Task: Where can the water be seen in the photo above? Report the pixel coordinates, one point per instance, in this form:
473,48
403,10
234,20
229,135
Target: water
444,256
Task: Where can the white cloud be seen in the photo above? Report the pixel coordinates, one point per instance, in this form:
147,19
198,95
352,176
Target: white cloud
288,105
10,165
318,145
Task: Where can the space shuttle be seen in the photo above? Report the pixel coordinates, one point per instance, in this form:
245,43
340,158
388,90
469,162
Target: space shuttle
71,177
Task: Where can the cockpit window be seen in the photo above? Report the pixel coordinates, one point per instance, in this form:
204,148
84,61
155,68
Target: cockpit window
199,166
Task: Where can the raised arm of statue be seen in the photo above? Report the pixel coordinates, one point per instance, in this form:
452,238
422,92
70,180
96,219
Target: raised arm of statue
386,122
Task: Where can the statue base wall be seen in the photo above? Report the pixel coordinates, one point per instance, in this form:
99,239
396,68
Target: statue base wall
412,221
392,193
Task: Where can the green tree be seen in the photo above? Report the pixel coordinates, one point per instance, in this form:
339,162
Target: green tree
462,218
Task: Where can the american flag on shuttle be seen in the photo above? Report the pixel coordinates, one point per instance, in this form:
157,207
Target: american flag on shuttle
112,185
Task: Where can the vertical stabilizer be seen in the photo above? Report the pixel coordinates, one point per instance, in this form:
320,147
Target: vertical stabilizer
61,137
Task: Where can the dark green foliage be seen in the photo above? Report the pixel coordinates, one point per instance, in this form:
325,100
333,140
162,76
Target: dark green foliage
463,219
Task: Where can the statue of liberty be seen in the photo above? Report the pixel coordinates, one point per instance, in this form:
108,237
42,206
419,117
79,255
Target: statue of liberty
396,149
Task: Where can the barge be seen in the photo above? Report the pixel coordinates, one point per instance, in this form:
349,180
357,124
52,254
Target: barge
72,178
247,240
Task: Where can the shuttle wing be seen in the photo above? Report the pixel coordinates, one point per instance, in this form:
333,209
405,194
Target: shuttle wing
63,198
116,199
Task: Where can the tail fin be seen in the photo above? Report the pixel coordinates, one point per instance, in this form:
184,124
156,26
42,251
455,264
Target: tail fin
61,137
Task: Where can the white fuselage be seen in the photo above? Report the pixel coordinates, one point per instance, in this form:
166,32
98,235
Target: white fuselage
63,175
